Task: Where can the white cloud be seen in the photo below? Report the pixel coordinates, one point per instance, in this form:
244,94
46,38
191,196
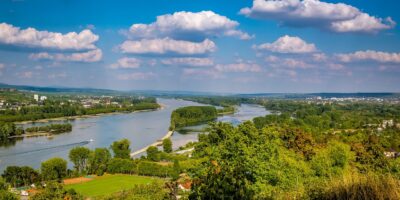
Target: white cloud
57,75
239,67
336,17
370,55
137,76
189,62
25,74
288,44
202,73
188,26
363,23
126,63
90,56
30,37
293,63
335,66
168,46
319,57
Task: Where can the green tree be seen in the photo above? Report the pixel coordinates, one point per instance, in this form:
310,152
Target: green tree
98,161
54,169
167,145
80,156
153,153
55,191
121,148
6,195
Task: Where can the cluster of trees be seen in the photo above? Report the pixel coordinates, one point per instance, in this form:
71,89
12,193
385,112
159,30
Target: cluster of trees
8,130
98,161
53,109
52,128
274,162
226,110
192,115
303,151
220,100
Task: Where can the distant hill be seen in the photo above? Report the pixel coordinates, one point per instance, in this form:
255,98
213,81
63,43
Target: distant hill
160,93
59,89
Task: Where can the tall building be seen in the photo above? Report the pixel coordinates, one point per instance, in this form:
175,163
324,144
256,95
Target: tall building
36,97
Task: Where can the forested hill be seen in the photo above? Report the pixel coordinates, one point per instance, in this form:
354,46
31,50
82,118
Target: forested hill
192,115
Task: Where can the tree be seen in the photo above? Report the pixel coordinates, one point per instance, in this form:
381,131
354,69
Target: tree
167,145
176,170
121,148
4,194
98,161
56,191
54,169
152,153
12,175
80,156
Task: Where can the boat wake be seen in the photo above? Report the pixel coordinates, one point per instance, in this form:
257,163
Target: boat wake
60,147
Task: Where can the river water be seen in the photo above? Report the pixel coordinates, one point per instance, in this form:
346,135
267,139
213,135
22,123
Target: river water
141,128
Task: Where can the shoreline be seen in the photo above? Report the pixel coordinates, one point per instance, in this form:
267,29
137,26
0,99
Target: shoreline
157,143
78,117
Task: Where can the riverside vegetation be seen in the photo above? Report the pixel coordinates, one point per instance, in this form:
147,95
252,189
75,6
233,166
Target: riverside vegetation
303,151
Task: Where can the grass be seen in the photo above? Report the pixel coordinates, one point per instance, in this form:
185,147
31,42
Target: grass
109,184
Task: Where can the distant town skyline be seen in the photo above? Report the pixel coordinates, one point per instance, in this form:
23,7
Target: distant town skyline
279,46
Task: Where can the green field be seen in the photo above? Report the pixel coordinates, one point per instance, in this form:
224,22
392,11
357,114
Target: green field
109,184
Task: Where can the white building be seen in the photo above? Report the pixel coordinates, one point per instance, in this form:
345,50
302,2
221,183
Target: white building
42,98
36,97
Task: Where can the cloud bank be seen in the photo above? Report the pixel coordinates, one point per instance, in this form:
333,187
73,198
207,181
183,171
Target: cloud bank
188,26
335,17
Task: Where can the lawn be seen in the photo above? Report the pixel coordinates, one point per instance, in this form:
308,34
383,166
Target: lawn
108,184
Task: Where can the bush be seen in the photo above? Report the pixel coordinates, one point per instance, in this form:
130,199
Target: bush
357,186
147,168
120,165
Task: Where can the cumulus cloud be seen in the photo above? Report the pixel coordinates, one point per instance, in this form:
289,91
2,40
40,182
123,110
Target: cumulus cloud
167,46
137,76
30,37
370,55
189,61
126,63
336,17
188,26
238,67
288,44
90,56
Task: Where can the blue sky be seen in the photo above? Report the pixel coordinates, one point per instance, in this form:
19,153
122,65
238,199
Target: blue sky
216,46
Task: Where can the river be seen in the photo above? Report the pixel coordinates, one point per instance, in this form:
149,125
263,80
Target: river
141,128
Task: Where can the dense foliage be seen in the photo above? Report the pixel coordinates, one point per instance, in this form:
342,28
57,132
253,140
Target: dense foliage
192,115
8,130
305,150
54,109
52,128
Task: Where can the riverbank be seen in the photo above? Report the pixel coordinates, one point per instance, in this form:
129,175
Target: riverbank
78,117
157,143
33,134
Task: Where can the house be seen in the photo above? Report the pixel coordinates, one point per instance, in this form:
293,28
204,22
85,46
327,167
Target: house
36,97
391,154
42,98
387,123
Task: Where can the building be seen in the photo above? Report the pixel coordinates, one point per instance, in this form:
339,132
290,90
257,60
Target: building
42,98
36,97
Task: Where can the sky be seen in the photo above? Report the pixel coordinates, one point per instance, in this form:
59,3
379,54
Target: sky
234,46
